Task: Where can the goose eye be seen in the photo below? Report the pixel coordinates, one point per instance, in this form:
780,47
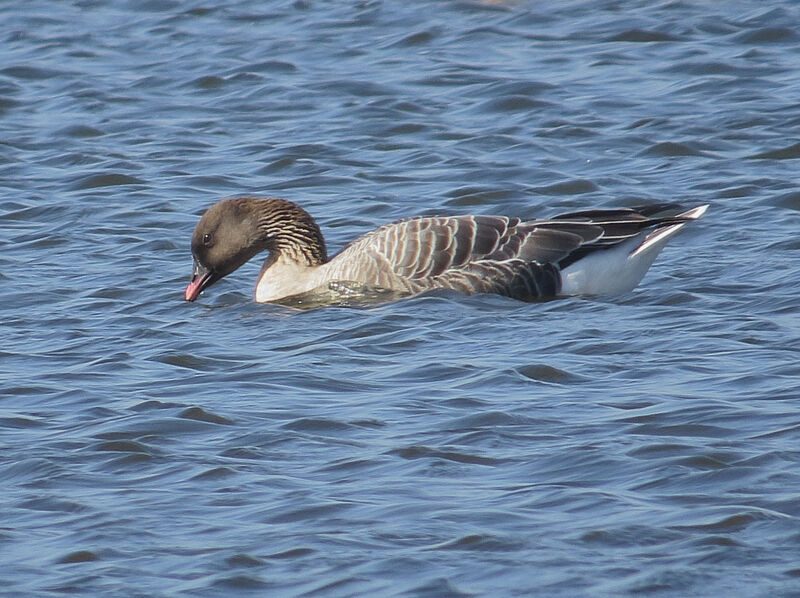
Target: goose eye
208,240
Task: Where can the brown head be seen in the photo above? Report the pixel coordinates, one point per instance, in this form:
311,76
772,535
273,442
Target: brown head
234,230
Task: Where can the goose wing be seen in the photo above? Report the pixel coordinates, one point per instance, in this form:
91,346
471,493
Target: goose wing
424,248
494,254
620,225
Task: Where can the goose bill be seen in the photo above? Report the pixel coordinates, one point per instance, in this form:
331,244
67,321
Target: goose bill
201,278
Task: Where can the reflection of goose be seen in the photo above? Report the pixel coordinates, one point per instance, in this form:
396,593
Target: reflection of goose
596,252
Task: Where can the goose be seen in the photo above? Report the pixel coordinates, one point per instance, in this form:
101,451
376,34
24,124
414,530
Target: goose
592,252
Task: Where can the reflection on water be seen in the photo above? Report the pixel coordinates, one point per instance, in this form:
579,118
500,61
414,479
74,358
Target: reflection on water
342,293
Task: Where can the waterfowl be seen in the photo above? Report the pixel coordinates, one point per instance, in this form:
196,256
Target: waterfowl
594,252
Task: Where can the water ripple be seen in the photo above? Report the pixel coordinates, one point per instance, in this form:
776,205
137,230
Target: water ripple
436,446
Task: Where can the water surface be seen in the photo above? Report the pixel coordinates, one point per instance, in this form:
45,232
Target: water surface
437,446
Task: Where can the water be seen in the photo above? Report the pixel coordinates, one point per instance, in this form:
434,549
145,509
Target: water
436,446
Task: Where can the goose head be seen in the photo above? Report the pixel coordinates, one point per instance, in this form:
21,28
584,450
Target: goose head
233,231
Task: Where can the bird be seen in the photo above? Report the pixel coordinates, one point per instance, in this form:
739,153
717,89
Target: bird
594,252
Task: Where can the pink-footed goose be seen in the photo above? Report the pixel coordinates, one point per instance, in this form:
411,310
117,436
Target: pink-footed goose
595,252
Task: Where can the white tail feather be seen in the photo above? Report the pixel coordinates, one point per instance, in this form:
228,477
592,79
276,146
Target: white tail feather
655,241
694,213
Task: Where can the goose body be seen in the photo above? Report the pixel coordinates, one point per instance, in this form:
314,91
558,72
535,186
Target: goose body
595,252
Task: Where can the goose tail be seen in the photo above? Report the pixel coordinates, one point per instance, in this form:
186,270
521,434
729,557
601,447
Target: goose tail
619,269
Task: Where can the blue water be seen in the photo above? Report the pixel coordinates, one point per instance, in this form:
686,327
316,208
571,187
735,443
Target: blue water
439,446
